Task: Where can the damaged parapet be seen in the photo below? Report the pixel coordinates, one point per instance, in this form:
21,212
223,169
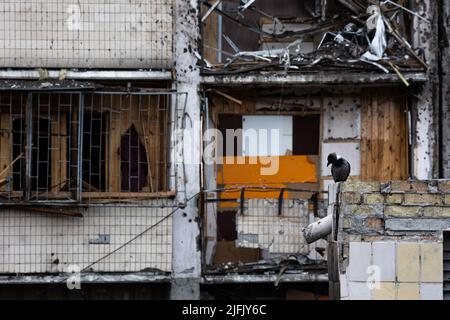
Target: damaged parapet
360,36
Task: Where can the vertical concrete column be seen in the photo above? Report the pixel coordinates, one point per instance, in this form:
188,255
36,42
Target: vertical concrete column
425,149
186,256
445,121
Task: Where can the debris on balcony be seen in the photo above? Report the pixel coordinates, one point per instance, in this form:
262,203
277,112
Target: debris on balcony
356,35
276,265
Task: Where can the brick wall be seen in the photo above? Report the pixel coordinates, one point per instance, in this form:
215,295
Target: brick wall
391,232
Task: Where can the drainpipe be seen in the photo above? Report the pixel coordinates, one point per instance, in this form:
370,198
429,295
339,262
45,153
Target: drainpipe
318,230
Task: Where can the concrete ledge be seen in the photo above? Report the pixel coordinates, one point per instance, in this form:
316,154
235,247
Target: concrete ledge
137,277
32,74
247,278
145,277
320,78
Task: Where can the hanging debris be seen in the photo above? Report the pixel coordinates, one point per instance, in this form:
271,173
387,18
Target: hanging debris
358,35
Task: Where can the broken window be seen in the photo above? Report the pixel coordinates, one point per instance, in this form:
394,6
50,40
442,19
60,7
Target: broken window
134,164
94,149
40,156
257,216
18,167
35,156
84,147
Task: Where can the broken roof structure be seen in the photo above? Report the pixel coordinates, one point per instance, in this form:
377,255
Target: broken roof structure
332,36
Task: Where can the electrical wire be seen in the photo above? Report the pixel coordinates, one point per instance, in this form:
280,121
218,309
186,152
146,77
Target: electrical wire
88,267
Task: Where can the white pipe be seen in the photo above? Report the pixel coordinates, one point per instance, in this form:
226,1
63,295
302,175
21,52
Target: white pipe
318,230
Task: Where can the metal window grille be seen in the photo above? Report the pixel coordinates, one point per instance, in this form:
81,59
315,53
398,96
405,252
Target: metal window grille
85,147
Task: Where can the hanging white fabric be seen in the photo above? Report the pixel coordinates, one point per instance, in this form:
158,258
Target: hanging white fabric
378,44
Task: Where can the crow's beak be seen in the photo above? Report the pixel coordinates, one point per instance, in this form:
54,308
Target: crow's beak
328,164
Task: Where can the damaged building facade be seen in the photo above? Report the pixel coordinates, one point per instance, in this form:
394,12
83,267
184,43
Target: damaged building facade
107,118
359,78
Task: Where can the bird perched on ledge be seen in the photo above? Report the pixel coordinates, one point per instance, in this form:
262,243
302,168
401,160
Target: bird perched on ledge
340,169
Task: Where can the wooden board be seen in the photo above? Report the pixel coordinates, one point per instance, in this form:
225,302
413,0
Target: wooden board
210,36
384,137
5,144
150,121
226,251
58,151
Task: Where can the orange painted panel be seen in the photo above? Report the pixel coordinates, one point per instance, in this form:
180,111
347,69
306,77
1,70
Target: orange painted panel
285,169
291,170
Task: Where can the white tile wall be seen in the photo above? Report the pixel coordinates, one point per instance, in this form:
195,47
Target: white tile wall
384,257
359,291
86,34
431,291
360,255
390,256
33,243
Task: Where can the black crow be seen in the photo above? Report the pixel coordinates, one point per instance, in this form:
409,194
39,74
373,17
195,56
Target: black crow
340,168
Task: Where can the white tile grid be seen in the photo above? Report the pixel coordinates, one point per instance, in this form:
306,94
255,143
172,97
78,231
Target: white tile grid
384,257
360,258
382,254
30,245
359,291
431,291
121,34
